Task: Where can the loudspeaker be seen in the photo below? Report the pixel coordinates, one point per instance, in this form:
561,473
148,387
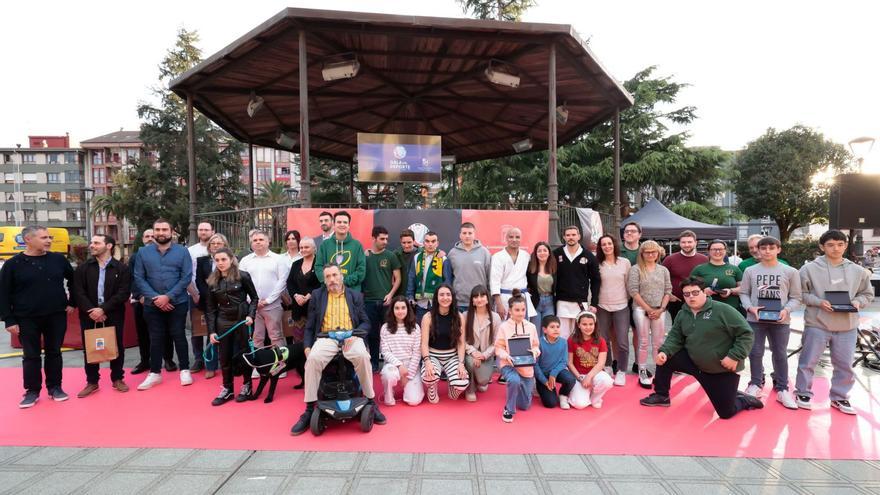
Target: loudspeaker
855,202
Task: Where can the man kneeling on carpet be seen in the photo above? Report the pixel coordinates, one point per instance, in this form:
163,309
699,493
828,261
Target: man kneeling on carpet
330,308
708,342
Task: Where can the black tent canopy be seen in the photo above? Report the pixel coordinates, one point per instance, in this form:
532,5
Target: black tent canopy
659,222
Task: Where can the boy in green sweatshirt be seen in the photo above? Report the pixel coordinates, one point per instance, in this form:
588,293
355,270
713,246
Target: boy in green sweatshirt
343,250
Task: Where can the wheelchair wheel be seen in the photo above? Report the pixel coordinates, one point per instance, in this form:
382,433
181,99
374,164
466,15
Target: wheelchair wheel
367,418
317,423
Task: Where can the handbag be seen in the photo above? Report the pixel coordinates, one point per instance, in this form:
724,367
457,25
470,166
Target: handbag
199,325
100,344
293,327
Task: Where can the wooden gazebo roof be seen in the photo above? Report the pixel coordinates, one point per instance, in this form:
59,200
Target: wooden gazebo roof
418,75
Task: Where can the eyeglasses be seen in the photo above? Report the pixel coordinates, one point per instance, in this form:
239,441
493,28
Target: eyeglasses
693,293
650,252
630,231
718,249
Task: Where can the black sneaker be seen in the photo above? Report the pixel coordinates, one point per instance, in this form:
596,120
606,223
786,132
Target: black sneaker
245,393
58,395
655,400
304,421
507,416
843,406
140,368
170,365
750,402
29,399
225,396
378,417
803,402
501,379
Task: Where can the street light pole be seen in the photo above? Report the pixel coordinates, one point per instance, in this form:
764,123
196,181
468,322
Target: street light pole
87,194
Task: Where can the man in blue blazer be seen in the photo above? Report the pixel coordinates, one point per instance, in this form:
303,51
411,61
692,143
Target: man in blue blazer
330,308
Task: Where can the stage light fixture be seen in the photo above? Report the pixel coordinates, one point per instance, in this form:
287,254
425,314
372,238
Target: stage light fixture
502,74
254,104
562,114
345,66
524,145
285,139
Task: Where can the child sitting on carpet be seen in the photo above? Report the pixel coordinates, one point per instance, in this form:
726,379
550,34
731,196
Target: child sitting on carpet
520,380
551,366
587,352
479,336
401,340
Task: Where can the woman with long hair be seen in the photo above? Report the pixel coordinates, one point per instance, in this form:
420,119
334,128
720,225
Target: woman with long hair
650,286
228,294
613,312
291,241
204,268
400,343
479,337
541,281
587,352
443,346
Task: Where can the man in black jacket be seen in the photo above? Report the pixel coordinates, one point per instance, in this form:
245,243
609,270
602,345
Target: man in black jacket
32,304
577,280
101,287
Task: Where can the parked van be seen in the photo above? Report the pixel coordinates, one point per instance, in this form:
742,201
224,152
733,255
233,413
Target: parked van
12,242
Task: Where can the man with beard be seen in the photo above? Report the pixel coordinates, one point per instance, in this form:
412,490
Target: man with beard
204,232
140,323
577,280
325,220
162,272
101,286
680,266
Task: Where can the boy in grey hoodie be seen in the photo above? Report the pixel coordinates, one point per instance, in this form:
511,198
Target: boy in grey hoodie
824,327
470,262
770,279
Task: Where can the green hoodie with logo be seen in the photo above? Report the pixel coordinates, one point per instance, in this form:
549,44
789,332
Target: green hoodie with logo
348,254
715,332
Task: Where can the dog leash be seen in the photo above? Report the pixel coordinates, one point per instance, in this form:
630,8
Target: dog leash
209,353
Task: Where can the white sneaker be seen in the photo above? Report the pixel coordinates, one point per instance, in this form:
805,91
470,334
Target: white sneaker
185,378
644,379
283,375
152,379
785,398
483,388
754,391
563,402
620,379
597,405
609,371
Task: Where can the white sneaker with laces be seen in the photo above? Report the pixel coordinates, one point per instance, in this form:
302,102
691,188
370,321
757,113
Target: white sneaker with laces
563,402
754,391
185,378
152,379
644,381
620,379
785,398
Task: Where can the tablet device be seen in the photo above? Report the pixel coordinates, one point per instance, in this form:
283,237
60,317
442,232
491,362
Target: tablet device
520,351
840,301
771,309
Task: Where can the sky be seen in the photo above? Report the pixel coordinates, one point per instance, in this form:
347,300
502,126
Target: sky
82,67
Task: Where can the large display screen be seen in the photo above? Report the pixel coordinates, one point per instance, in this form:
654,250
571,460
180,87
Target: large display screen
398,158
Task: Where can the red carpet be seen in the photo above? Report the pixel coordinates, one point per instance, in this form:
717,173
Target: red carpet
172,416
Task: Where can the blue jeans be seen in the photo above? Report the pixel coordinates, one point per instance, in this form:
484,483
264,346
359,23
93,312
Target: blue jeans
843,346
519,390
161,324
544,308
778,336
376,314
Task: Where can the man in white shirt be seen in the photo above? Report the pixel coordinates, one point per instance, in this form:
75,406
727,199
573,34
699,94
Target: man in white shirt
204,231
269,273
509,267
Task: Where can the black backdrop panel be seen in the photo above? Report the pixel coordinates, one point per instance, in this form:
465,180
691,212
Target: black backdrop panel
445,222
855,202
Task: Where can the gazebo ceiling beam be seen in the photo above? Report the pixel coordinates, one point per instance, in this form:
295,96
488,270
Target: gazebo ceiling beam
432,32
264,44
480,119
213,109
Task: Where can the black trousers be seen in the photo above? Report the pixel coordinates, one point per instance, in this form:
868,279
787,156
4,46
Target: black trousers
720,387
163,324
549,398
117,372
143,334
231,344
674,308
50,330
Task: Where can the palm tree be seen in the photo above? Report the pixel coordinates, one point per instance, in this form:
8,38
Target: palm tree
272,193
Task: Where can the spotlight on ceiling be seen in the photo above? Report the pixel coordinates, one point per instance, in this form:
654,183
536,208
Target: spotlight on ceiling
562,114
524,145
447,160
502,74
285,139
254,104
343,66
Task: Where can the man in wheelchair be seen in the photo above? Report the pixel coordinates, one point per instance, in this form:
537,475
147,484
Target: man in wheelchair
330,308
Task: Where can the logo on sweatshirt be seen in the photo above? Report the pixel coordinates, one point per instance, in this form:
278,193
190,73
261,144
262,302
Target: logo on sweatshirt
707,315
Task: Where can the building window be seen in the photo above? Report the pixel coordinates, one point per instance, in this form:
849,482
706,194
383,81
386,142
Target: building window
29,158
97,158
73,196
284,171
132,155
132,232
53,159
9,178
98,176
29,178
74,215
53,178
264,174
10,216
72,176
30,215
29,197
115,158
71,158
54,195
7,158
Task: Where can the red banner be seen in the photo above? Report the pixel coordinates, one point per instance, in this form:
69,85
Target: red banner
492,226
305,220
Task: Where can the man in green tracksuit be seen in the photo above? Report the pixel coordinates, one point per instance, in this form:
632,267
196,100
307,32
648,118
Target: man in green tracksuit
343,250
709,340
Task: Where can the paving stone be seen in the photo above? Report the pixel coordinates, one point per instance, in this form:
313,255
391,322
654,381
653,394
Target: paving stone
446,486
47,456
563,464
315,485
836,489
122,482
253,483
340,462
219,460
504,464
854,470
575,488
740,468
686,488
57,483
381,486
102,457
638,487
188,483
389,462
767,489
8,479
798,470
506,487
159,458
680,467
9,453
625,465
272,461
446,463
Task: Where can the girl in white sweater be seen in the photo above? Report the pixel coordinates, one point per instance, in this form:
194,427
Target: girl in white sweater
401,341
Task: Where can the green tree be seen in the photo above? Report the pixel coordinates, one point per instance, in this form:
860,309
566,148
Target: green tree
501,10
776,177
272,193
156,186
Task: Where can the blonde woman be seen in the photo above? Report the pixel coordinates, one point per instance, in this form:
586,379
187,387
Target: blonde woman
650,286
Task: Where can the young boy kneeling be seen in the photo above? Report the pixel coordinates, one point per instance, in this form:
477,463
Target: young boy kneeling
551,367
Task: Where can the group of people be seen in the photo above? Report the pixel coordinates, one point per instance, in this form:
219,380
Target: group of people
429,315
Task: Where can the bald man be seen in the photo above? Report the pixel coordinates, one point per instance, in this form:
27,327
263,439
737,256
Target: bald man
509,268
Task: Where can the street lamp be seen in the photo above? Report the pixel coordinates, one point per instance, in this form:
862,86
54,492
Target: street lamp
292,194
87,196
